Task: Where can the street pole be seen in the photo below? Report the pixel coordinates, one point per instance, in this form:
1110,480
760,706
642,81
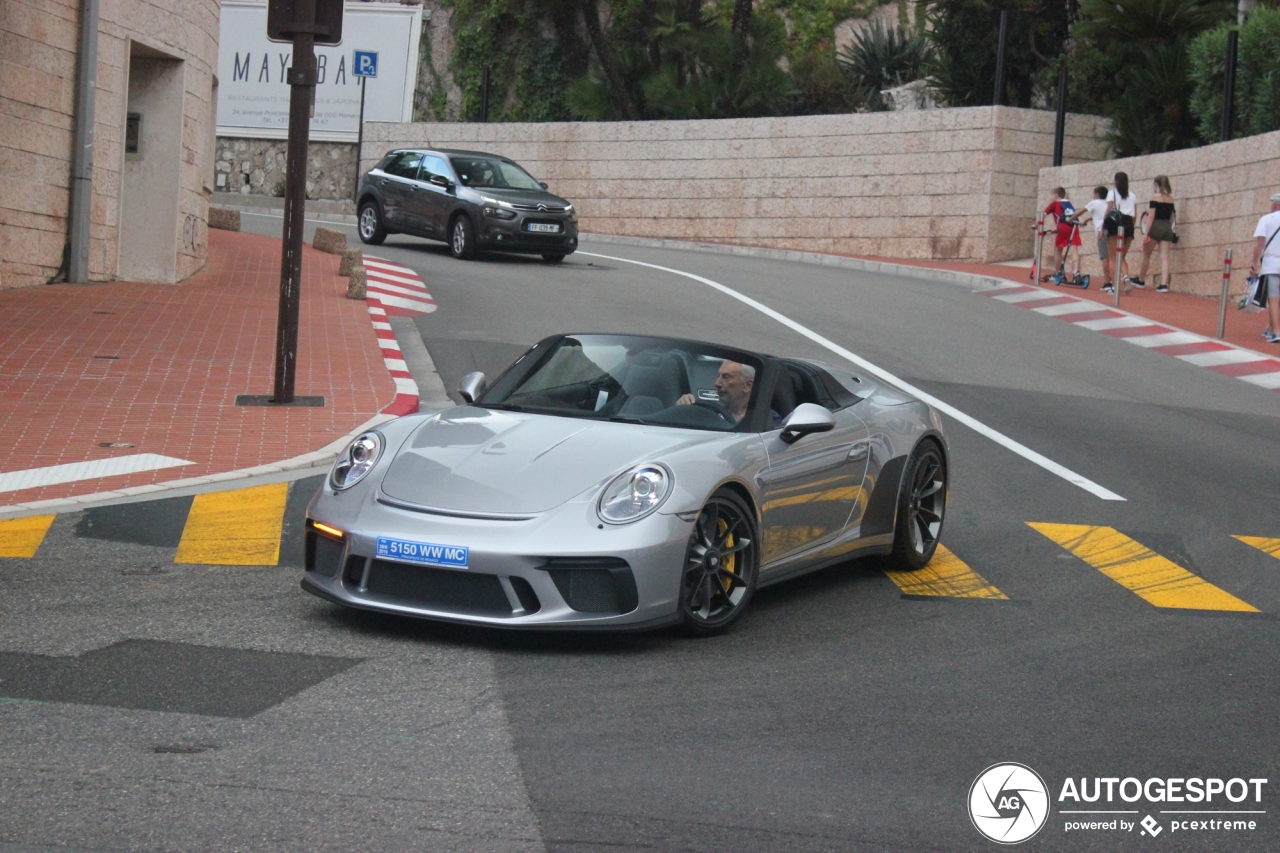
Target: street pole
1004,35
359,144
1229,85
1060,129
1222,302
302,88
484,95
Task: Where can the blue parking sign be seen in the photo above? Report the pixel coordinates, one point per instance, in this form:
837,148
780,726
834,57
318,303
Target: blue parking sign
365,64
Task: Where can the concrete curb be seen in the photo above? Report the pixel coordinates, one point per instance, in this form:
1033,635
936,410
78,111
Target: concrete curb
288,469
965,279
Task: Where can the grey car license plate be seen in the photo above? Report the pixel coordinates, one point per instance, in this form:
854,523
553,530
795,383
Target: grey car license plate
543,228
427,553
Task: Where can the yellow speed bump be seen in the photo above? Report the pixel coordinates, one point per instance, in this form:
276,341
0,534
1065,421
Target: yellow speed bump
21,537
1266,546
239,528
1137,568
946,576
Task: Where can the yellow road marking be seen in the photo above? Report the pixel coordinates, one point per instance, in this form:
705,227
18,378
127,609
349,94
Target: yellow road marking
238,528
1137,568
1266,546
946,576
845,493
21,537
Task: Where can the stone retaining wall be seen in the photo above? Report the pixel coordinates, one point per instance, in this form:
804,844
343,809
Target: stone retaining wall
1220,191
955,183
256,167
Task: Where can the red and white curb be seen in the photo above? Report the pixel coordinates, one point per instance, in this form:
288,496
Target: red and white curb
1244,364
392,290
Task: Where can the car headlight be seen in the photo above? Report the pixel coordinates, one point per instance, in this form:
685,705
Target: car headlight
498,213
356,460
635,493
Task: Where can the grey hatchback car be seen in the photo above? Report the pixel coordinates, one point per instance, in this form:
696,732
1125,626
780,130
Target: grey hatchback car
469,199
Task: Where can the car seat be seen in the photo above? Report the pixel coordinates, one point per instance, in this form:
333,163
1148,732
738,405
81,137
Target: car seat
784,393
653,381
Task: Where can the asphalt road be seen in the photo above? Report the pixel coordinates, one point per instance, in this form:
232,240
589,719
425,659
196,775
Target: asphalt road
840,715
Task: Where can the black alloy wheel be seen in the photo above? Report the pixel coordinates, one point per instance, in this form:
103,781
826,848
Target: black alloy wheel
553,258
462,238
921,506
720,566
370,224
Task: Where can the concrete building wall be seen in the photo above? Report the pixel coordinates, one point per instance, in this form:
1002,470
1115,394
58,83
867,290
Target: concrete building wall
38,49
256,167
956,183
1220,191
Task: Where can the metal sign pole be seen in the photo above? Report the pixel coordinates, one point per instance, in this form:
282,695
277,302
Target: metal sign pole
302,87
355,193
1222,304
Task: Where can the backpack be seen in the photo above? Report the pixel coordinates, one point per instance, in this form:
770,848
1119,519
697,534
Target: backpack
1068,213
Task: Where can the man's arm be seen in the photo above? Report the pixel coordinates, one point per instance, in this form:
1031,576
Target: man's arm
1257,253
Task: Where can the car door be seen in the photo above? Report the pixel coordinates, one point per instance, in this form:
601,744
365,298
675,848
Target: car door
813,486
432,202
397,187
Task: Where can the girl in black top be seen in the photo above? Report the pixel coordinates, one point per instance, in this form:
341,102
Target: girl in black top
1158,221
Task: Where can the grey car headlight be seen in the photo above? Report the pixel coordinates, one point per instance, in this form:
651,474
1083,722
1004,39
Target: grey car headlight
635,493
356,460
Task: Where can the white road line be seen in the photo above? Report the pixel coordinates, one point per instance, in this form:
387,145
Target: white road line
1226,356
1165,339
378,275
1077,307
379,284
396,364
1029,296
947,409
400,302
1127,321
378,263
1265,380
74,472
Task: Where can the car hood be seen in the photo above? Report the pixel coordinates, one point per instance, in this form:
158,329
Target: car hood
520,196
475,460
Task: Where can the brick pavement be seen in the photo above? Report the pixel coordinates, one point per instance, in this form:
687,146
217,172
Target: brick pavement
159,366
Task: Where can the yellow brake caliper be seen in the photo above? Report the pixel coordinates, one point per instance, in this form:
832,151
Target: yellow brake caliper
730,561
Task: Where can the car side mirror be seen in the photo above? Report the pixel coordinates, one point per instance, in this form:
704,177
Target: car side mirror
805,419
472,386
441,181
542,184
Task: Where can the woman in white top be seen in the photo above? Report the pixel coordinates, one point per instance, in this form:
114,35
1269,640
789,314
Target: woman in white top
1126,204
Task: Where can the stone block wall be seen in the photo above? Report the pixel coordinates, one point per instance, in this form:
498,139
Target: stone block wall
956,183
1220,191
38,47
257,167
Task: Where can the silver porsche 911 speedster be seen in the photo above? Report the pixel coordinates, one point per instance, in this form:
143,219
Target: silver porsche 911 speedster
620,481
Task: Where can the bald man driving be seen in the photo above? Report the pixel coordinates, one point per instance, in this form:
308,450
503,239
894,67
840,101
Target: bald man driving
733,386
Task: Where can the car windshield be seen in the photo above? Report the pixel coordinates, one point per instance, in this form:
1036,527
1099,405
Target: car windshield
655,381
492,172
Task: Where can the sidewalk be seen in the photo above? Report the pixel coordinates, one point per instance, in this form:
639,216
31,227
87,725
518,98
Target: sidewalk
1184,311
125,375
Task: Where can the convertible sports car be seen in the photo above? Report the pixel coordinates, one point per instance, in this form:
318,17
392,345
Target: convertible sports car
620,481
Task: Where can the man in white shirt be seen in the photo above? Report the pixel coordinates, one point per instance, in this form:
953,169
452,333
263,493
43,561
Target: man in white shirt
1098,211
1266,251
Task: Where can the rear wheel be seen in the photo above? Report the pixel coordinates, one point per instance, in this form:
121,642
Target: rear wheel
553,259
720,566
462,238
921,506
370,224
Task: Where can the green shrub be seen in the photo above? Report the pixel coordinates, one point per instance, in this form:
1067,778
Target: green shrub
1257,100
880,58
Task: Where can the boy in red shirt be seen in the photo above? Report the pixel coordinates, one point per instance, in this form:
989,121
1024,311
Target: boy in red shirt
1068,236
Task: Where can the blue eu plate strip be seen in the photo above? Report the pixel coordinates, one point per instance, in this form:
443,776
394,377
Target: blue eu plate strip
449,556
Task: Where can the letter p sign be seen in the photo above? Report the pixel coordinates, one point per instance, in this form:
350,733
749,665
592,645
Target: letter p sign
365,64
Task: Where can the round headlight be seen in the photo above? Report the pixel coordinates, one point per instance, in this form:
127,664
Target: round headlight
634,494
356,460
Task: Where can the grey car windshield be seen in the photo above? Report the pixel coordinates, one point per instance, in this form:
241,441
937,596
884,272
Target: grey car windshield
654,381
492,172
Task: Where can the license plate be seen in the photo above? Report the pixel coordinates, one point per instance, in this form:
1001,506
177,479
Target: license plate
426,553
543,228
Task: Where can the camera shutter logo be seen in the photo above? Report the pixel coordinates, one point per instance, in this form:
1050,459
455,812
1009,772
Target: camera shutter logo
1008,803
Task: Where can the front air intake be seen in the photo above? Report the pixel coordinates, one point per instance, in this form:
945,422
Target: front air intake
602,585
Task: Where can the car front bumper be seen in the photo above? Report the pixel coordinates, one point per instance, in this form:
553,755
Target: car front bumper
562,569
514,236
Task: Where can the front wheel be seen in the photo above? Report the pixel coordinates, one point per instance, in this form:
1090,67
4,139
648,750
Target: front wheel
921,506
720,566
462,239
370,224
